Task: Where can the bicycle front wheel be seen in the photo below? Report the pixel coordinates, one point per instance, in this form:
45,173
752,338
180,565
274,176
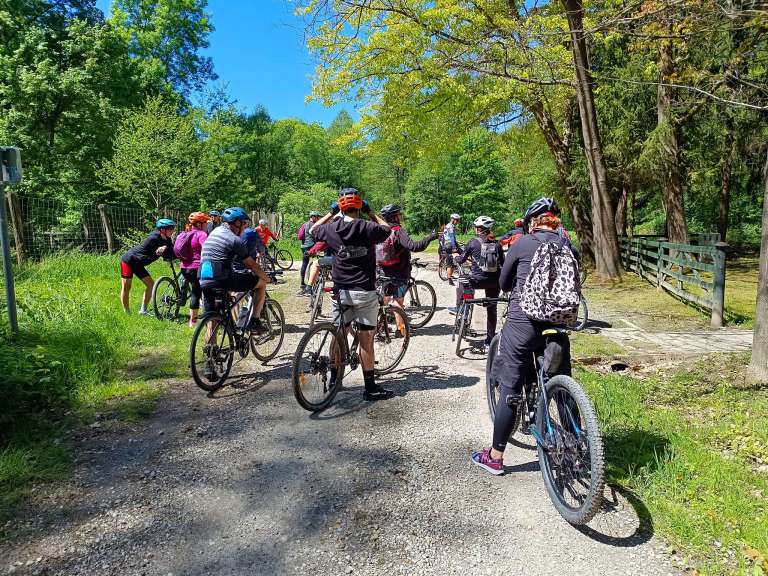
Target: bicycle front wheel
284,259
393,333
571,459
166,298
316,306
211,352
420,303
464,322
266,346
318,367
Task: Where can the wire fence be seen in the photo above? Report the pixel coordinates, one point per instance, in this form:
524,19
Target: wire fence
43,226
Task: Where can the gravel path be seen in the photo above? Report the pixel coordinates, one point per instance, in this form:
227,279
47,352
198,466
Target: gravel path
247,482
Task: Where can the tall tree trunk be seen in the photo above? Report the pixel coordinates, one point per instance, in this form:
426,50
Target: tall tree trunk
606,244
731,149
620,218
758,367
582,222
672,184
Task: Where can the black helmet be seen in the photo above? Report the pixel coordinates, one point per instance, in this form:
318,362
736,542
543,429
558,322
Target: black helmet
390,211
539,207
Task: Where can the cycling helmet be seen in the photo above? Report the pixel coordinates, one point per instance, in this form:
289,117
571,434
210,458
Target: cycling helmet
198,217
484,222
262,222
314,214
539,207
214,213
390,211
518,222
165,223
350,199
455,216
234,213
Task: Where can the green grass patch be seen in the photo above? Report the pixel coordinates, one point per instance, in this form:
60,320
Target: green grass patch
691,444
77,354
588,345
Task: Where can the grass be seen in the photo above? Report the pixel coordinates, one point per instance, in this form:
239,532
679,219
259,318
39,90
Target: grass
77,355
693,445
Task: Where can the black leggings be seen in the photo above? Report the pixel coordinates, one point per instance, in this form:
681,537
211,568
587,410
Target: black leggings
305,258
491,290
190,275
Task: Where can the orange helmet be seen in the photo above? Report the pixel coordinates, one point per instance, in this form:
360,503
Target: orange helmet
198,217
350,199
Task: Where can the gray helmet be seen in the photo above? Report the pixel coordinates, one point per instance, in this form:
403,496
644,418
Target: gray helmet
484,222
262,222
455,216
390,211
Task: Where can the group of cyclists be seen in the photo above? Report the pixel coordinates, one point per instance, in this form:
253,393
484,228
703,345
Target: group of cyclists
368,254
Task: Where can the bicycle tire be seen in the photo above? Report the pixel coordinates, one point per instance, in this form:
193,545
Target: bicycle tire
589,425
298,375
582,318
166,298
464,323
412,294
272,311
384,334
284,259
316,305
442,269
223,361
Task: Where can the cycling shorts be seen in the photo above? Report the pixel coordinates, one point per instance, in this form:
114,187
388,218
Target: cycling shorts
362,308
130,269
235,282
394,287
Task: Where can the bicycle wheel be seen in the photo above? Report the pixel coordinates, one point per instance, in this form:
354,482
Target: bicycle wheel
319,350
166,298
582,319
420,303
284,259
464,323
572,463
393,333
442,269
211,352
316,305
492,386
266,346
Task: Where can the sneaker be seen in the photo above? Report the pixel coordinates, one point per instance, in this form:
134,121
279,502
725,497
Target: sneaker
377,393
484,460
143,313
452,310
302,292
257,326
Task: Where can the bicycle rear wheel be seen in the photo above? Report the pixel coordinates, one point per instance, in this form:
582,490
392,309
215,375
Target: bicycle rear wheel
166,298
420,303
266,346
464,323
393,333
442,269
284,259
319,350
211,352
316,304
583,317
572,463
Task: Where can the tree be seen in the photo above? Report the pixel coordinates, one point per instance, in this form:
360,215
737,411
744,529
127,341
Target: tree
758,366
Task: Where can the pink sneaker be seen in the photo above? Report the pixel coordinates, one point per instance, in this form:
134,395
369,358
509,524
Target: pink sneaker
484,460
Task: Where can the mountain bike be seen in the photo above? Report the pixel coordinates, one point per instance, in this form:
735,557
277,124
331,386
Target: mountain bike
169,294
560,416
325,346
420,300
447,261
319,289
462,326
223,332
280,256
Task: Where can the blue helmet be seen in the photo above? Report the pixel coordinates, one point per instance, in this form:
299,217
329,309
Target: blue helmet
234,213
165,223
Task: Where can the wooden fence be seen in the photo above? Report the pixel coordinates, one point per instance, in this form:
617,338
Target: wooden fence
695,273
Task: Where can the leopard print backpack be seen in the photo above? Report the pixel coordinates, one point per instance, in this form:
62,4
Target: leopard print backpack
552,291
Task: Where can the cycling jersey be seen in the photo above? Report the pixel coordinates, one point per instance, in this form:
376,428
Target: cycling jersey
474,251
146,252
404,245
255,246
265,234
448,239
219,252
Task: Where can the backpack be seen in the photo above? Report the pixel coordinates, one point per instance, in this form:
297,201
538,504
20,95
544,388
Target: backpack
387,253
307,240
489,256
552,292
182,247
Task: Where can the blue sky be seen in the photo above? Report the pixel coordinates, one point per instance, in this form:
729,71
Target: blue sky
258,52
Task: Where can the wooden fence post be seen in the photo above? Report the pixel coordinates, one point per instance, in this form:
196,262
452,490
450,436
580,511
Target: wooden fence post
17,222
659,265
107,228
718,289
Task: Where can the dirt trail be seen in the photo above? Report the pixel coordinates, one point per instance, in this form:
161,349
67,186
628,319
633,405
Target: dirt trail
246,482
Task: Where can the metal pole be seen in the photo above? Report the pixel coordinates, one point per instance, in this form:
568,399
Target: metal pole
10,295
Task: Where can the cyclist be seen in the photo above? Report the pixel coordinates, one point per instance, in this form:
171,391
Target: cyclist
520,336
353,241
135,261
513,235
215,220
393,256
265,233
305,236
487,259
188,247
449,245
221,253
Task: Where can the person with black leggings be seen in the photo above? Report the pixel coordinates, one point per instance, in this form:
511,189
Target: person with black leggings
520,336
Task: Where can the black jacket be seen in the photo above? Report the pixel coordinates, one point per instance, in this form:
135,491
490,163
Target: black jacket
472,251
405,245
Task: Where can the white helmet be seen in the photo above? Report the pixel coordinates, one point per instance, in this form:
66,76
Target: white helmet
262,222
455,216
484,222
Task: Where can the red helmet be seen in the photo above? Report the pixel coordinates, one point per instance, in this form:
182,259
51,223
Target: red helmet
350,199
198,217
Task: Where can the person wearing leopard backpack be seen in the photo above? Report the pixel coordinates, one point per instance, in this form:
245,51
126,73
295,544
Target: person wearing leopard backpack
541,274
